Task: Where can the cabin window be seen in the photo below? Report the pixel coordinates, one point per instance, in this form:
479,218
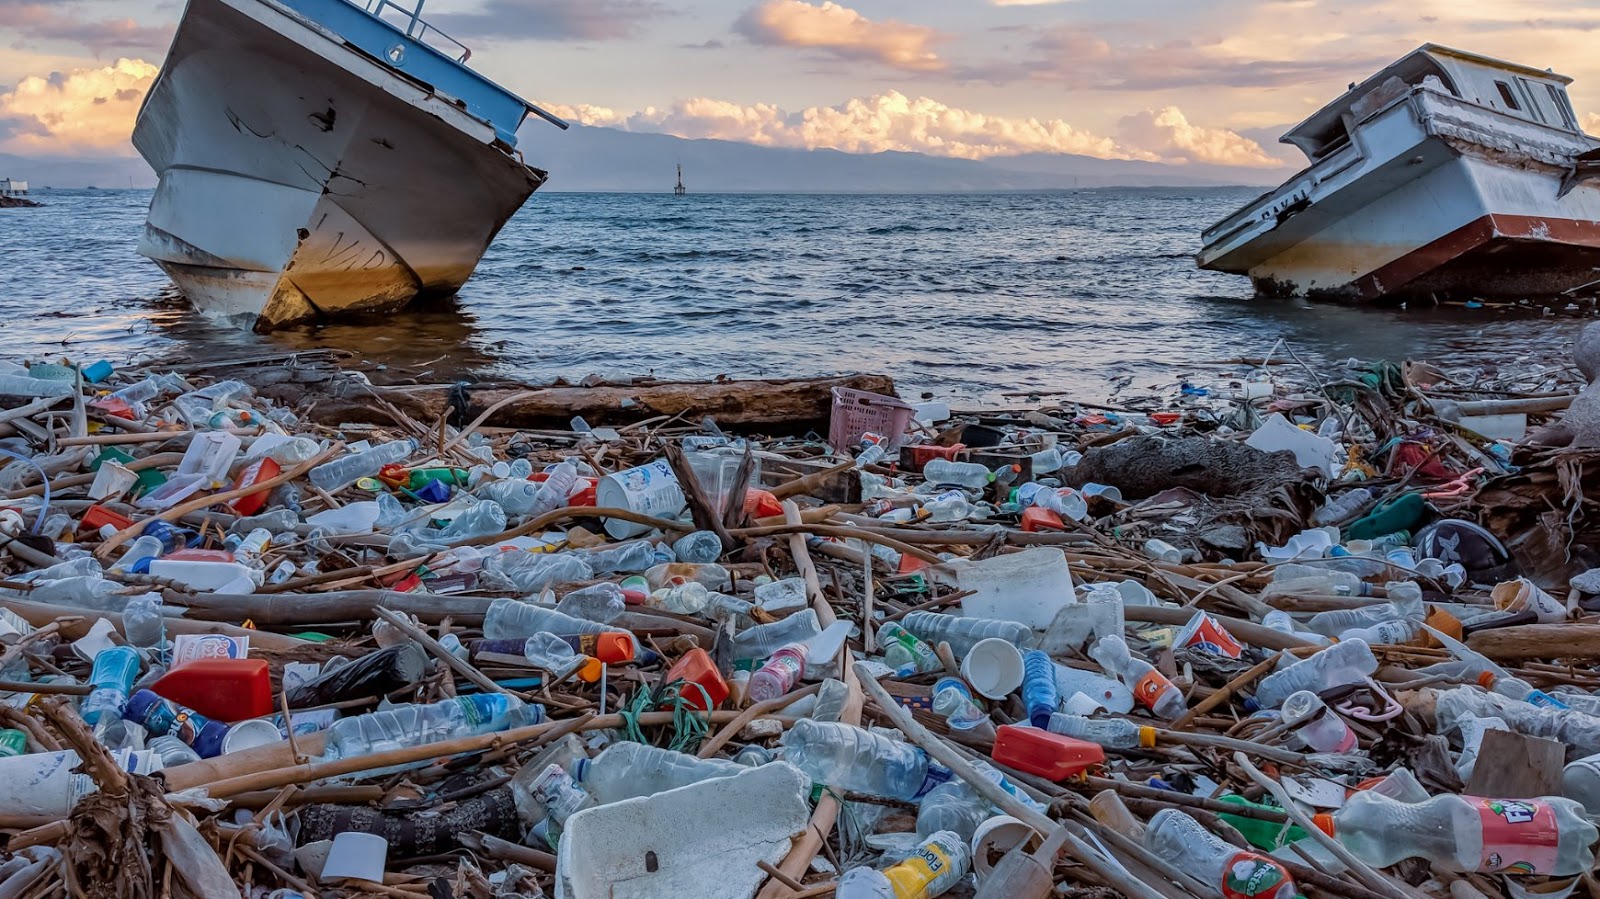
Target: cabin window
1558,99
1507,96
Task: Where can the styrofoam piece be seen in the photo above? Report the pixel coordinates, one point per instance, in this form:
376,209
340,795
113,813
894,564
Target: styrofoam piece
362,856
210,455
1030,587
1497,427
1310,450
824,648
702,840
352,518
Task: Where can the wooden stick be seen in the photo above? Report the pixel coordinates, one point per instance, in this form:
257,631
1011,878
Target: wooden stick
152,437
439,652
936,748
1224,694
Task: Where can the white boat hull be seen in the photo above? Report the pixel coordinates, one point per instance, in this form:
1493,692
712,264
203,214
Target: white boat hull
1435,200
301,179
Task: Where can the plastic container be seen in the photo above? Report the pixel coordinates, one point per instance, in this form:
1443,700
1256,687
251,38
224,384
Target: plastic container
223,689
210,455
162,718
1317,726
410,724
627,770
1180,841
651,490
1029,587
1207,635
1049,755
903,652
780,674
1276,434
859,412
1040,696
848,758
1341,663
1111,733
964,633
1548,836
952,698
696,668
112,677
957,474
936,865
1150,687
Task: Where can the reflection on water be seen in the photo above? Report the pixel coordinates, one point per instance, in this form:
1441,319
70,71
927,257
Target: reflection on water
961,295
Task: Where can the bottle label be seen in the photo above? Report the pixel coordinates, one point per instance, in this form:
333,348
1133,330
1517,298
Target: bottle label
1249,875
937,774
1148,689
1519,836
925,865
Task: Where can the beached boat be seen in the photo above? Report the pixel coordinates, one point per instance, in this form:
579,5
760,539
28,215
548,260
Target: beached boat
1447,175
324,157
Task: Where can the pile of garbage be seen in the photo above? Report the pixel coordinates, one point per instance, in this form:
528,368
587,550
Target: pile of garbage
1283,632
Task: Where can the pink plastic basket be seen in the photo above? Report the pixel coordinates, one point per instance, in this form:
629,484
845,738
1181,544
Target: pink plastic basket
857,412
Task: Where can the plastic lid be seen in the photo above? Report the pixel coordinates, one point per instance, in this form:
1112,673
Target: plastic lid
1486,679
613,648
1324,822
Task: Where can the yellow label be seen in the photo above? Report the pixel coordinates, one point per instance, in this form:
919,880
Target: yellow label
911,877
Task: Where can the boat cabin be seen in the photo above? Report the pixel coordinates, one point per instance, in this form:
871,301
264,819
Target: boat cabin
12,188
1534,95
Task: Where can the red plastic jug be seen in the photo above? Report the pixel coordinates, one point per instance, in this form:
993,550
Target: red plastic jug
696,667
1051,756
254,473
1035,519
223,689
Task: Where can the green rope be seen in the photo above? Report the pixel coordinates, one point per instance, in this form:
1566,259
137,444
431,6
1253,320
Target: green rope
688,728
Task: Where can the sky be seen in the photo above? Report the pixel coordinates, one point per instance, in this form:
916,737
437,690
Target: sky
1173,81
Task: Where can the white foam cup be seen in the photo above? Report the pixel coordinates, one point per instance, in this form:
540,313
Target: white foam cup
993,667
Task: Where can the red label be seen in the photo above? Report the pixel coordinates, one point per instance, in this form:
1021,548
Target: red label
1519,836
1251,876
1149,689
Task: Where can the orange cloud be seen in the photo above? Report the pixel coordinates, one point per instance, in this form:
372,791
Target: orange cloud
891,121
843,33
1591,123
85,110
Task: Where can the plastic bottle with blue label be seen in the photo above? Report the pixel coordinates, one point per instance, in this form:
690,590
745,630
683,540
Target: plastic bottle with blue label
846,757
1039,693
936,865
115,669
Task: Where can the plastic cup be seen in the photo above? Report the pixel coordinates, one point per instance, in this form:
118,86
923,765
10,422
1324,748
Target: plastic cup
362,856
993,667
649,490
999,834
1207,635
250,734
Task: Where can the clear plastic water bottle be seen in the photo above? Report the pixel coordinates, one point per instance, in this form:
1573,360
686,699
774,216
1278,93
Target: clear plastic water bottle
410,724
945,472
601,602
547,652
1162,551
1180,841
903,652
141,621
115,669
932,869
626,770
1385,633
1047,462
560,794
763,640
1150,687
873,448
1548,836
173,751
952,505
556,489
952,806
1342,663
509,618
1342,508
831,700
1336,622
526,572
1284,623
1112,733
1039,694
952,698
518,497
1064,501
626,558
964,633
698,548
481,520
140,550
1317,726
1339,583
848,758
682,599
344,471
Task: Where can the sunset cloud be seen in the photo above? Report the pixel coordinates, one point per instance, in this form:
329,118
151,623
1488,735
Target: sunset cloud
1591,123
843,33
57,21
550,20
82,111
892,121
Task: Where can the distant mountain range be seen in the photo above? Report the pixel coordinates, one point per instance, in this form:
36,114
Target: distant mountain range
606,159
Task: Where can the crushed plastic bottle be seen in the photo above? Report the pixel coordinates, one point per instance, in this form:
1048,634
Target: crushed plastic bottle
936,865
1342,663
626,770
1150,687
1112,733
409,724
964,633
601,603
848,758
1180,841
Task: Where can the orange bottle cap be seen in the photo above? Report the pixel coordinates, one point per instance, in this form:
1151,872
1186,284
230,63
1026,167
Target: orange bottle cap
613,648
1486,679
1324,822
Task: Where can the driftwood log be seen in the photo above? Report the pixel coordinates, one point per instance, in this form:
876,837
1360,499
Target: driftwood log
797,403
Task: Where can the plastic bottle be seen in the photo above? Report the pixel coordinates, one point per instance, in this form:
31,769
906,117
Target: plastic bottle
763,640
510,618
683,599
1150,687
1283,622
1039,694
1548,836
1385,633
1065,501
848,758
162,717
903,652
831,700
560,794
1317,726
1180,841
1048,461
964,633
173,751
1257,832
952,806
344,471
944,472
115,669
526,572
627,558
141,621
483,519
626,770
698,548
24,386
952,698
1472,732
546,652
936,865
411,724
780,674
1341,663
1343,583
597,602
556,490
873,448
141,550
952,505
1342,508
518,497
1112,733
1336,622
1162,551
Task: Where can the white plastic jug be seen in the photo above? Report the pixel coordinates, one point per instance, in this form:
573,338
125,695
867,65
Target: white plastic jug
1028,587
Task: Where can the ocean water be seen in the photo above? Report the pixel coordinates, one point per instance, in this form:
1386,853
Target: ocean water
961,296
